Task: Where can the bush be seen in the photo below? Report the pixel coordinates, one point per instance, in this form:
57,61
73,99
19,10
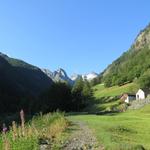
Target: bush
144,80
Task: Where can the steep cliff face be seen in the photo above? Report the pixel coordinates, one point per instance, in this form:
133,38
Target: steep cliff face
61,75
58,75
143,39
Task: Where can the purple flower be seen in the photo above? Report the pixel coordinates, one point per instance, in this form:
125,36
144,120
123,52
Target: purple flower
4,128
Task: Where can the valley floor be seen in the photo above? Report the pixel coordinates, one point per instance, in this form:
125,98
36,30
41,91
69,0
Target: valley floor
122,131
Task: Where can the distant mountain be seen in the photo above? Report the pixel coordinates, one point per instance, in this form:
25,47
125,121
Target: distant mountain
74,77
18,80
132,64
61,75
48,73
58,75
89,76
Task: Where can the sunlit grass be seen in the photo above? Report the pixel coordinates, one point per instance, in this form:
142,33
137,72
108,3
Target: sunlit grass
101,91
120,131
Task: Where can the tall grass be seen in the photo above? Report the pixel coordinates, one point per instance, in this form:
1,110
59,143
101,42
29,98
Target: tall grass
28,136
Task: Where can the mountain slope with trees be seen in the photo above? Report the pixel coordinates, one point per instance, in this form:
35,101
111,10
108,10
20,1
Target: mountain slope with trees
132,64
20,83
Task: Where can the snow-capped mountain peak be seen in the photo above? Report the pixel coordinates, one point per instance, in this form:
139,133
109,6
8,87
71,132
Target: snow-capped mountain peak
75,77
58,75
61,75
89,76
48,72
61,72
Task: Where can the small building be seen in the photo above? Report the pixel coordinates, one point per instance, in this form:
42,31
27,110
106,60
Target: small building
142,94
128,97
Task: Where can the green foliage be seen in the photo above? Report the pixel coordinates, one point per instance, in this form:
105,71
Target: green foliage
108,81
81,93
63,97
129,66
144,80
78,100
78,86
58,96
95,81
87,91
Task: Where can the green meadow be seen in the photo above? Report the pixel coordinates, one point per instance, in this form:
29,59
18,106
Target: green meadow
121,131
101,91
118,131
107,99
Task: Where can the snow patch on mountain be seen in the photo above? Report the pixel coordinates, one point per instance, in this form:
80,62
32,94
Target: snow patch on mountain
61,75
89,76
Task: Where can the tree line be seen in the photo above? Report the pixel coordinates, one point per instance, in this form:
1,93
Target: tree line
64,97
131,66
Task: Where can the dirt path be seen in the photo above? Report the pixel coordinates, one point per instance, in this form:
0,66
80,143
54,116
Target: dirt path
82,139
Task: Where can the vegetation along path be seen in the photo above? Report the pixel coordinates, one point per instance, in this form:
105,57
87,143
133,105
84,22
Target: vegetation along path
82,139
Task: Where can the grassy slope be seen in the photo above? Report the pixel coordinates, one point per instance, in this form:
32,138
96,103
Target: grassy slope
122,130
101,91
106,97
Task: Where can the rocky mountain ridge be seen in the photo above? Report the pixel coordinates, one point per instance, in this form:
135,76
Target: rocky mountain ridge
89,76
61,75
58,75
143,39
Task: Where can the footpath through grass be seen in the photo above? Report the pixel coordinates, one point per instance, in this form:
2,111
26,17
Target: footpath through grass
122,131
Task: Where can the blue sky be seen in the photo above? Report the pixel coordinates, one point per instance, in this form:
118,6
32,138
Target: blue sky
78,35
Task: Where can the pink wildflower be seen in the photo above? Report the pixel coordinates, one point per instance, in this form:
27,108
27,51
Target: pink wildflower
4,128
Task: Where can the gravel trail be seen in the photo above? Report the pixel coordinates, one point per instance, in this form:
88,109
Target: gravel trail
82,139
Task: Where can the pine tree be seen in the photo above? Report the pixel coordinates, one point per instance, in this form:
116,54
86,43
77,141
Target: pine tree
77,94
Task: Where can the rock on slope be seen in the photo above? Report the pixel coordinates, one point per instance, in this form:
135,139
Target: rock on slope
143,39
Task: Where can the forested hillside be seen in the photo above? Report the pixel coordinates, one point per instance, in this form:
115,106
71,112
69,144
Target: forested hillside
133,64
21,83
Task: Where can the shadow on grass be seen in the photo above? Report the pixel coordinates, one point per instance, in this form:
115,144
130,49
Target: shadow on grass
101,113
104,100
98,107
